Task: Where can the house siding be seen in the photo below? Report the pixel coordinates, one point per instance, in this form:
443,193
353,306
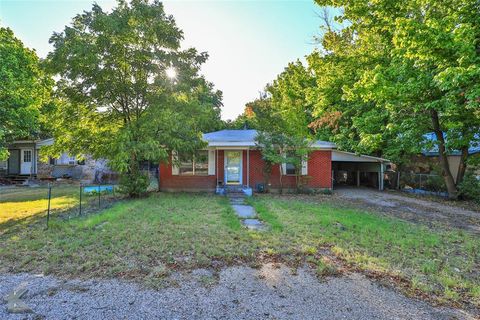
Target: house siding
319,173
169,182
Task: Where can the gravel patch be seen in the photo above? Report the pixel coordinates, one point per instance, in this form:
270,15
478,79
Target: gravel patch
270,292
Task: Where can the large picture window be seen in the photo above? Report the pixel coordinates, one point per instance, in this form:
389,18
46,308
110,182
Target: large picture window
197,165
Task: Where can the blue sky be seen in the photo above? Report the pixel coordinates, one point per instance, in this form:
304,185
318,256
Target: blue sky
249,42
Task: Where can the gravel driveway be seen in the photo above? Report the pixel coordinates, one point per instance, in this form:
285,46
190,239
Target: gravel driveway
411,208
271,292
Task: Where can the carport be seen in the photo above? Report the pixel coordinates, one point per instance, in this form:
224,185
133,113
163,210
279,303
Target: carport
350,169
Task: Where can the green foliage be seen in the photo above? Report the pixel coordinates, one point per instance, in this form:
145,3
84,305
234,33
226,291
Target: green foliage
469,188
134,185
282,116
414,68
24,89
115,99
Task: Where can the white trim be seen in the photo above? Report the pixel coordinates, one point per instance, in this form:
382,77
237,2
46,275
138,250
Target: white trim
175,168
211,162
345,156
305,166
248,168
225,174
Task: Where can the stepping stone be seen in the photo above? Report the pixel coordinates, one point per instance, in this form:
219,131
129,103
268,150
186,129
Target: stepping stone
254,224
237,201
244,211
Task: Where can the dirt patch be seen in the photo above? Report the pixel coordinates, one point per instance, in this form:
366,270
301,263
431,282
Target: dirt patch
425,211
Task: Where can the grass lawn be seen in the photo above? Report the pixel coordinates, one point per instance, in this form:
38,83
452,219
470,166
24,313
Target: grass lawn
147,238
23,203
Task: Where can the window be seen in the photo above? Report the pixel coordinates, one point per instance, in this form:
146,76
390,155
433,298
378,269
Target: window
290,167
197,165
51,161
71,160
3,164
27,156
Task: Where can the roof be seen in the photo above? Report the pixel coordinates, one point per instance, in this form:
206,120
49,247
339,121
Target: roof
344,156
231,136
431,137
246,138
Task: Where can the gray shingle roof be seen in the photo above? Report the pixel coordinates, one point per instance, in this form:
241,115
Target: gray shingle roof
231,136
247,138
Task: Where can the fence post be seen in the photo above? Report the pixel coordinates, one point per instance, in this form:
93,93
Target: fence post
99,196
49,197
80,213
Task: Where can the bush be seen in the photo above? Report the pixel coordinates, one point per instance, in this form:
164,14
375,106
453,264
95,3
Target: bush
469,188
435,183
134,185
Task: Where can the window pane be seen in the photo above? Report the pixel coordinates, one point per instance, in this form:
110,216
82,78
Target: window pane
290,168
186,164
27,156
201,163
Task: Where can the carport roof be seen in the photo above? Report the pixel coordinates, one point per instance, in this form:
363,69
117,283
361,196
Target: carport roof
344,156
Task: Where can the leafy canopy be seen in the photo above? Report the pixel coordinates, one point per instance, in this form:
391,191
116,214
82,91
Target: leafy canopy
24,89
118,96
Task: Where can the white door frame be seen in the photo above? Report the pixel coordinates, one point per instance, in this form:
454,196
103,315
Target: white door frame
240,179
24,168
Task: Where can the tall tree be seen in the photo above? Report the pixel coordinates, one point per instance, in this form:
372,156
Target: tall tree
24,89
282,116
128,92
427,77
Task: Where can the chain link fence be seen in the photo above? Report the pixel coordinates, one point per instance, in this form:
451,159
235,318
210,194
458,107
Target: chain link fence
88,199
423,183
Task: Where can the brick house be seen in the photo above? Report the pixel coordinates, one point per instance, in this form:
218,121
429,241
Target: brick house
232,159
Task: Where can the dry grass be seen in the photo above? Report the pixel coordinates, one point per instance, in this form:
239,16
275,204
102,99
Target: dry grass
147,238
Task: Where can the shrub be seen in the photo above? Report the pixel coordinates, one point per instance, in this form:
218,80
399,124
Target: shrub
435,183
469,188
135,185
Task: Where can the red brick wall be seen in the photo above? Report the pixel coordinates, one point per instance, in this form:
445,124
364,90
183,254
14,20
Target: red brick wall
319,171
169,182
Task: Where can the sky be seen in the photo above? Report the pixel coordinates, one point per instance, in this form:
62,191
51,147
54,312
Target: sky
249,42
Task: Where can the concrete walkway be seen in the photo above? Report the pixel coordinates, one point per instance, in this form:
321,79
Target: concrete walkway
245,212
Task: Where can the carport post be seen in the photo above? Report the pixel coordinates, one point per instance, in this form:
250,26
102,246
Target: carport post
358,178
380,177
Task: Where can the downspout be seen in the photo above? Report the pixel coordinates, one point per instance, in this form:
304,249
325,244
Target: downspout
248,167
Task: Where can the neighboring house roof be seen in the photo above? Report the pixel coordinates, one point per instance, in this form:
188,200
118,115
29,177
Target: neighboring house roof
38,142
431,137
246,138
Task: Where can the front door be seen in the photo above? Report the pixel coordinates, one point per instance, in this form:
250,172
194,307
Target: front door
233,167
26,161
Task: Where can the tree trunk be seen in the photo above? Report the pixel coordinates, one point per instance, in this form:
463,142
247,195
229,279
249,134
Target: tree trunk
462,166
442,157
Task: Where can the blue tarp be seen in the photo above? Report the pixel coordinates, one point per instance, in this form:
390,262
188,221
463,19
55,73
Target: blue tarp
91,189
